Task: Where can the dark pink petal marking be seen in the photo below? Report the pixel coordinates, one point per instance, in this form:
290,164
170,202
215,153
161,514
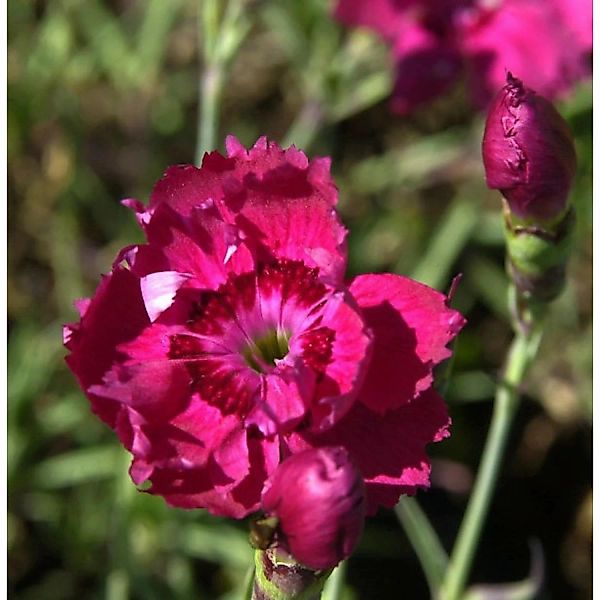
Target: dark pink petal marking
222,384
317,348
223,351
340,378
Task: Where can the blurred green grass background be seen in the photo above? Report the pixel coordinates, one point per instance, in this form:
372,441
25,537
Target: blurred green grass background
102,97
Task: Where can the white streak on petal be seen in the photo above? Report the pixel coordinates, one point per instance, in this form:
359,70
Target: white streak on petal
206,204
142,213
230,252
68,331
159,289
233,240
82,304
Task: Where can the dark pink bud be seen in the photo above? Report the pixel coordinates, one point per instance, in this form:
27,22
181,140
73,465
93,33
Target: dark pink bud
528,153
319,498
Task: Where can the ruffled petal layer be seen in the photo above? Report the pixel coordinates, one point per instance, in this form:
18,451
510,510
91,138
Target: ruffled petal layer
211,486
388,449
282,205
116,314
411,326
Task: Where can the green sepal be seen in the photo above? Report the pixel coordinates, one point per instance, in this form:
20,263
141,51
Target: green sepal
537,257
279,577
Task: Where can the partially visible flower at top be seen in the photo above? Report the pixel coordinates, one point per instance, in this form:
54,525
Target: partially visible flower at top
230,340
318,498
528,153
548,42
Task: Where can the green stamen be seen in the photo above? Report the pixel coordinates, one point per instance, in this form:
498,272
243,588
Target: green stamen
264,351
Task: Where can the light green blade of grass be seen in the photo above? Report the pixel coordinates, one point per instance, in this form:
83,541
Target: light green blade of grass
277,17
33,356
153,34
216,542
436,157
51,49
106,38
446,243
490,283
366,92
471,386
77,467
334,586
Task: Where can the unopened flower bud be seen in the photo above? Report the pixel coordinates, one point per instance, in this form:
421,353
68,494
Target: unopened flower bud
318,497
528,154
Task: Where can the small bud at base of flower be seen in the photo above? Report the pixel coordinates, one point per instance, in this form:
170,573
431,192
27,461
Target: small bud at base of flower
318,496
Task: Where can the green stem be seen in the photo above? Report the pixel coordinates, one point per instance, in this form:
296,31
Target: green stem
211,80
222,32
521,354
279,577
334,587
306,125
248,584
424,540
447,243
211,89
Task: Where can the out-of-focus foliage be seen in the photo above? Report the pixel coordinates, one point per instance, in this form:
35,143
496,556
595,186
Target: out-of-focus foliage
102,97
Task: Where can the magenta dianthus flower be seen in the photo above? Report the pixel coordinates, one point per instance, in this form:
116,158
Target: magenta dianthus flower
548,42
231,340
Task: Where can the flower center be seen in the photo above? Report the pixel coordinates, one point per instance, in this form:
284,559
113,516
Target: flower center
262,353
235,336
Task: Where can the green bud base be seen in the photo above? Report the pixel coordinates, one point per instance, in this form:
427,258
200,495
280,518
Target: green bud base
537,256
279,577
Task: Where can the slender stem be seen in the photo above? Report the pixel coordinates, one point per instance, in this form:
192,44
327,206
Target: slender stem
520,356
447,243
279,577
222,32
424,540
334,587
211,80
305,126
211,89
248,584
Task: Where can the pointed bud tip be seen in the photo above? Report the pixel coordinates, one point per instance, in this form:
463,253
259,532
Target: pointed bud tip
514,89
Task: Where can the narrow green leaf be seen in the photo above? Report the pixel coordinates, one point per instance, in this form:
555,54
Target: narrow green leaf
490,283
422,536
526,589
334,586
216,542
446,243
77,467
